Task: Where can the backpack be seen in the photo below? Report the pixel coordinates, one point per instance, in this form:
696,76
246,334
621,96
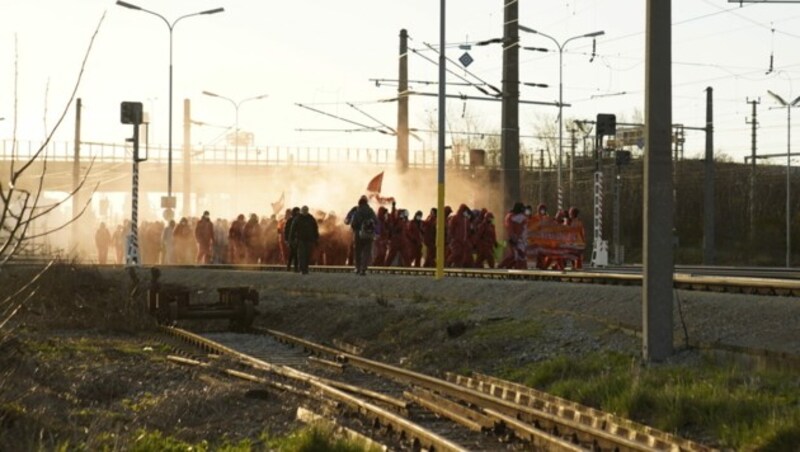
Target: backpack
367,230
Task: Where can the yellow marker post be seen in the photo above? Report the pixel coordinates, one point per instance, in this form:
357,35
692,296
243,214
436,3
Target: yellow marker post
440,215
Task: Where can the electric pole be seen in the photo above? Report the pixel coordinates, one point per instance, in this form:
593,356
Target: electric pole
402,104
658,215
754,126
708,192
510,114
573,145
187,158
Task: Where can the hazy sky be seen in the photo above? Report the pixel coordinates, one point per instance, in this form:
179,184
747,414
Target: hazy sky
323,53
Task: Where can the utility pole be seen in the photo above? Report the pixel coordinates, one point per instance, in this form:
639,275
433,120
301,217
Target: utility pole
615,230
76,176
509,141
440,170
658,254
754,126
402,105
573,145
187,157
709,183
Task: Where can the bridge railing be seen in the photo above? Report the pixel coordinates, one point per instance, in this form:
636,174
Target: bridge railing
63,151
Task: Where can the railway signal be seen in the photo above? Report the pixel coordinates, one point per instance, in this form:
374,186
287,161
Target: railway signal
131,113
606,125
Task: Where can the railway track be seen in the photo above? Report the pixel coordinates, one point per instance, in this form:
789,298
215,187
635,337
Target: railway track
772,282
380,404
459,413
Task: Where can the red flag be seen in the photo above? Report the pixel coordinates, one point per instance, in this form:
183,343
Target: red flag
278,206
374,185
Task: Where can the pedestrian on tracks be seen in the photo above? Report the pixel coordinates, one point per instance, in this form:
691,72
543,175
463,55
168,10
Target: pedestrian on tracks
363,225
102,239
204,235
167,244
305,233
292,245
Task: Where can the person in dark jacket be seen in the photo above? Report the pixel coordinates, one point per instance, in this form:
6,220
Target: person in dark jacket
102,238
363,224
236,244
305,233
292,245
204,234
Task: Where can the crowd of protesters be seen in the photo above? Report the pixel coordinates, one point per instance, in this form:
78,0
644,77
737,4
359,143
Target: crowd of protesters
390,236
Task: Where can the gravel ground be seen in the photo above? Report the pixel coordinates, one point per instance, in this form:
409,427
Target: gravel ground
580,317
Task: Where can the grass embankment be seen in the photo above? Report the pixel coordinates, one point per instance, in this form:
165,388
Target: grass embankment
310,439
85,392
720,404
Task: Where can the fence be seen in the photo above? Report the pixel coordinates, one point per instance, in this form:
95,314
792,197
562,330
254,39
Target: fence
264,156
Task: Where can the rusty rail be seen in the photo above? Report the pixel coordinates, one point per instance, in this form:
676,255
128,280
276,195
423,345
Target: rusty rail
421,437
552,420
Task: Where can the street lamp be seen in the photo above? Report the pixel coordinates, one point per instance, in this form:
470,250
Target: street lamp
171,26
560,91
788,106
236,106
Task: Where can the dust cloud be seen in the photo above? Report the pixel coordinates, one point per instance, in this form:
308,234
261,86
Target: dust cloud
258,190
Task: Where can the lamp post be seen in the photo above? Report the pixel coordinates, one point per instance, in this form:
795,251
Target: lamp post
236,106
788,106
561,47
171,26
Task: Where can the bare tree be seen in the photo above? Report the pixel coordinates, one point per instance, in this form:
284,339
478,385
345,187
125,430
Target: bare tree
467,132
545,128
21,207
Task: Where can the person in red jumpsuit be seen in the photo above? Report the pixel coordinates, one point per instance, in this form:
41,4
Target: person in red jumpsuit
413,234
485,241
204,234
398,245
429,238
283,244
516,238
459,235
561,217
580,235
477,217
383,235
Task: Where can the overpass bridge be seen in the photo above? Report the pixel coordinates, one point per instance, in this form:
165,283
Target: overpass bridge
202,170
112,163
